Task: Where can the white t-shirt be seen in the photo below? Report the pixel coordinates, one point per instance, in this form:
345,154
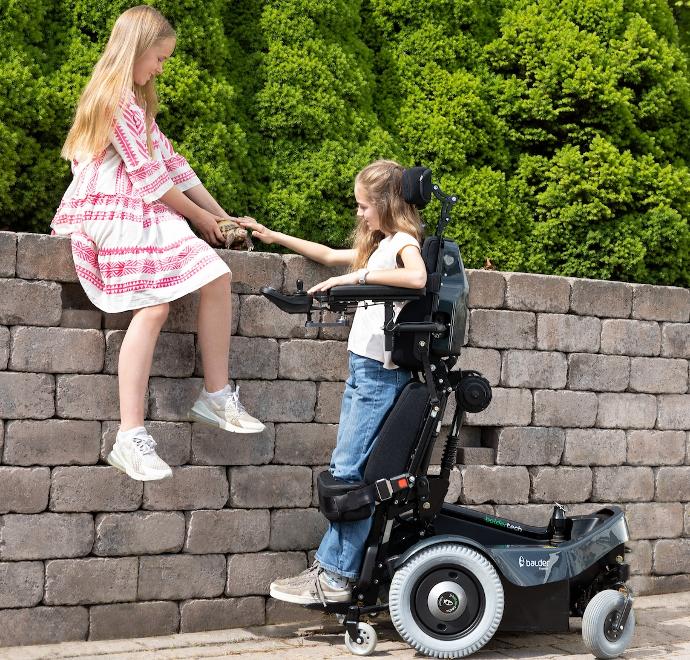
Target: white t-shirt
366,336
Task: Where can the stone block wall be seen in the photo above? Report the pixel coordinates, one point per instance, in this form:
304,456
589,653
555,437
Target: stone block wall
591,406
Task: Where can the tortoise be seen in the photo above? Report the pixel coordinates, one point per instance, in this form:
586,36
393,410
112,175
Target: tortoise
236,237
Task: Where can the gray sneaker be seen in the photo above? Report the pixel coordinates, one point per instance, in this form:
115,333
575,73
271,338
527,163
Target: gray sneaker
228,413
137,458
311,587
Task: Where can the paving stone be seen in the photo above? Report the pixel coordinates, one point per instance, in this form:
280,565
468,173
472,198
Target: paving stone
86,581
84,319
594,447
560,484
658,375
310,272
4,347
139,533
221,613
51,442
534,369
280,400
259,317
647,447
297,529
173,357
278,611
29,303
568,333
171,399
178,577
639,557
26,395
675,340
329,397
476,456
250,357
673,484
674,411
486,361
487,289
270,486
227,531
250,574
94,488
661,303
21,584
253,270
653,520
497,484
42,257
632,338
564,408
127,620
672,556
508,407
537,515
173,440
601,298
517,445
600,373
623,484
87,397
305,444
537,293
304,359
213,446
8,253
24,490
45,536
189,488
43,625
626,411
502,329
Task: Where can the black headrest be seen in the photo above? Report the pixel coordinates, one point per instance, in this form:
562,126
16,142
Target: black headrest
416,185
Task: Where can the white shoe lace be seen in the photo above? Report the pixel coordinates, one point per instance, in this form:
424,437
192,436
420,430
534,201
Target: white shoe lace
234,401
145,444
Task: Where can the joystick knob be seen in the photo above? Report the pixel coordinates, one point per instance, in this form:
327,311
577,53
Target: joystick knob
300,286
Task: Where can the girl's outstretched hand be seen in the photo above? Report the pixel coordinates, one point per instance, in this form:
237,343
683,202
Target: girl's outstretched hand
348,278
264,234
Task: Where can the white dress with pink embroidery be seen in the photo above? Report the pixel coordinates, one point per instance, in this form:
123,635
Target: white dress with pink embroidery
130,249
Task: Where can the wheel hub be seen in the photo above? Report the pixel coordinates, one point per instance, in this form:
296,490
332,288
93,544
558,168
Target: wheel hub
447,600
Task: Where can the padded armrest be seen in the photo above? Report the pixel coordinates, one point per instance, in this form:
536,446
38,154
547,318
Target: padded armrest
299,303
375,292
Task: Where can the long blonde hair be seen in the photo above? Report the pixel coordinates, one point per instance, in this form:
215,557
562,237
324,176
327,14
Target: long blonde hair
382,184
134,32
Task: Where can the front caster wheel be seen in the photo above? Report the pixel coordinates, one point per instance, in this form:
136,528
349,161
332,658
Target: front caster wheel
365,642
601,637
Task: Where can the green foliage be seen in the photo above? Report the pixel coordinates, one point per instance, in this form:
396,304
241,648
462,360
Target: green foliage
562,125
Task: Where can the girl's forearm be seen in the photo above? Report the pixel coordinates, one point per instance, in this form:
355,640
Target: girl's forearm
203,198
314,251
407,278
181,203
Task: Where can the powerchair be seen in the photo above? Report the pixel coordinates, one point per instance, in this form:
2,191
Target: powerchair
451,576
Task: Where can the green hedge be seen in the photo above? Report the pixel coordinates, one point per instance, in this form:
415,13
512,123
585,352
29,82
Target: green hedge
562,125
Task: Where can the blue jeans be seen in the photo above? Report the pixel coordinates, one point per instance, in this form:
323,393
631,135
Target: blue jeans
370,391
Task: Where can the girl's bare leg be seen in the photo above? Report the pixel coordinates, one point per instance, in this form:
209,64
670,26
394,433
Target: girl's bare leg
213,331
134,364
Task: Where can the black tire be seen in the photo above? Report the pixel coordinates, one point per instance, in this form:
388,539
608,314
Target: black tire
594,623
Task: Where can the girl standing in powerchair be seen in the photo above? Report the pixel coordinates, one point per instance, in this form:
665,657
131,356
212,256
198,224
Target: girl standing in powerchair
133,249
386,251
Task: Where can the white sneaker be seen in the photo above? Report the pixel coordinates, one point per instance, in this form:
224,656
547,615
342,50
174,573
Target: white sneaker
136,456
225,412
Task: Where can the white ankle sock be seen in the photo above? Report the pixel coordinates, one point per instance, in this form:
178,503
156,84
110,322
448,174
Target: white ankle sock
130,433
216,396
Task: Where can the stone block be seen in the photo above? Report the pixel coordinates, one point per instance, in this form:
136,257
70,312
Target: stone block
508,407
601,298
94,488
45,536
661,303
633,338
502,329
531,445
178,577
653,520
600,373
329,397
658,375
250,574
487,289
171,399
21,584
24,490
594,447
297,529
278,611
305,444
182,316
129,620
4,347
537,293
656,447
188,488
338,332
675,340
227,530
121,320
304,359
270,486
646,585
316,471
221,614
623,484
560,484
496,484
83,319
173,357
250,357
639,557
87,397
564,408
29,303
310,272
486,361
139,533
672,556
43,257
537,515
51,442
8,253
213,446
253,270
476,456
43,625
686,520
626,411
173,440
92,580
674,411
279,400
673,484
259,317
534,369
26,395
568,333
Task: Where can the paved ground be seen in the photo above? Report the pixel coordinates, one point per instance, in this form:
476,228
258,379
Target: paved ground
663,631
